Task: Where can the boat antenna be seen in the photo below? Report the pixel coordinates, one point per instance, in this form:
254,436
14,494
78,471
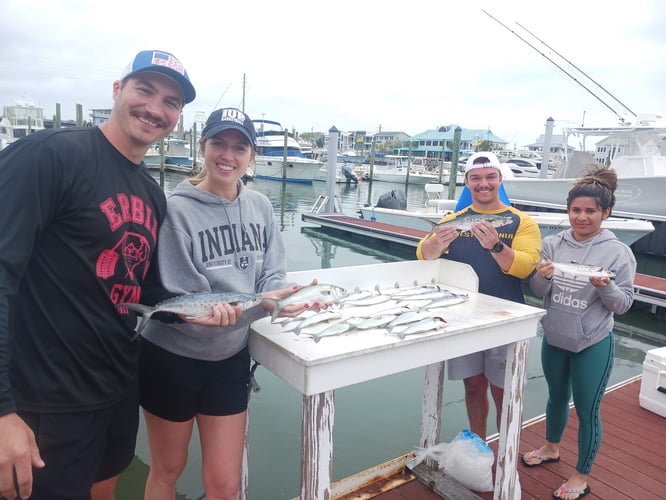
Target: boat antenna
244,89
222,96
579,70
556,65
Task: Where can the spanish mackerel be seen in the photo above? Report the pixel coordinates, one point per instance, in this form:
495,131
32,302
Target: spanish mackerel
576,270
425,325
465,222
310,294
191,305
325,315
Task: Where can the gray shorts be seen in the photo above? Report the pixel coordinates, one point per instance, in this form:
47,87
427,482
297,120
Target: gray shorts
491,362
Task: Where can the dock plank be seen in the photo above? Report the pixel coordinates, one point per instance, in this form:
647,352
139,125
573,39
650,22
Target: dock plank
631,462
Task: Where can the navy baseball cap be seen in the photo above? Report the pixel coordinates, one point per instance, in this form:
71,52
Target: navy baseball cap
165,63
230,118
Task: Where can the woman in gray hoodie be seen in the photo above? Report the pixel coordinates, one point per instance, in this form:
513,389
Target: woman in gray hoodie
577,350
218,236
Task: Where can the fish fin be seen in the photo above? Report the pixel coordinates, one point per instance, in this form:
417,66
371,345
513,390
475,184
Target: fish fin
274,303
433,224
199,316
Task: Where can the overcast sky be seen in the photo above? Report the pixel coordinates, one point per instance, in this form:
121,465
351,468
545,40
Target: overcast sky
357,65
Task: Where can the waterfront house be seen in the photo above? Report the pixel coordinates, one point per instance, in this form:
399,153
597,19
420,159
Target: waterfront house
434,143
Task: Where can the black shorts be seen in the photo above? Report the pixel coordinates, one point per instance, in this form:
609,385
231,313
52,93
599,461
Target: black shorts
82,448
176,388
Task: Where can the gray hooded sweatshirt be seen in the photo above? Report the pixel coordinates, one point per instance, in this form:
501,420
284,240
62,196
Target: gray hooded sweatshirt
579,314
209,244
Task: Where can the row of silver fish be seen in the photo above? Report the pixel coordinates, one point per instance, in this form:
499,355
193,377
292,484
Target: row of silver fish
408,311
400,317
406,323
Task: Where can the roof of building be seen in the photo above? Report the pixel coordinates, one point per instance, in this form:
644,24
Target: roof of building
555,141
446,133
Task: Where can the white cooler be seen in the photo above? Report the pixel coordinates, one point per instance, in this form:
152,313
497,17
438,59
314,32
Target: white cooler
653,383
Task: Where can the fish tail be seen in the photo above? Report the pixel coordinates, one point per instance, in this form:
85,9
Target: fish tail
145,319
544,255
140,308
145,311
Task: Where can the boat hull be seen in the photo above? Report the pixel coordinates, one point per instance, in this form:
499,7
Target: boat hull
400,177
300,170
636,197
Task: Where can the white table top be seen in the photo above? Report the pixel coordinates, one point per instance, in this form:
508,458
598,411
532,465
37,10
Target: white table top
337,361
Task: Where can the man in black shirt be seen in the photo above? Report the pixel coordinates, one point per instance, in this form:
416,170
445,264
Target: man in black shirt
80,215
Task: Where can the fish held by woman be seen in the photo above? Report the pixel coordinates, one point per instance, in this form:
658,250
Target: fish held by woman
575,270
190,305
310,294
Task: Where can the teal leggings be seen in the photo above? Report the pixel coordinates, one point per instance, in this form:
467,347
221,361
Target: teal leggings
585,374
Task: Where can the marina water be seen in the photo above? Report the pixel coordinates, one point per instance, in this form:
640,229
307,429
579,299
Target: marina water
378,420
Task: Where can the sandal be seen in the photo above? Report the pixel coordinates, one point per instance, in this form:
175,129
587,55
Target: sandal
533,455
564,490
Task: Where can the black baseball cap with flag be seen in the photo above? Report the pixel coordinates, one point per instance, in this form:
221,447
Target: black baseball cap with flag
165,63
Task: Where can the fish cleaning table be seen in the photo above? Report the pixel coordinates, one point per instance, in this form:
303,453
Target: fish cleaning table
316,369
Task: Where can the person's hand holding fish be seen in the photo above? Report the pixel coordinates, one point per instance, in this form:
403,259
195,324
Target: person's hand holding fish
485,233
444,235
220,315
545,268
278,303
600,281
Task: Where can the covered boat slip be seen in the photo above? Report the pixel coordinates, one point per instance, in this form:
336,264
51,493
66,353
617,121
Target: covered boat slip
317,369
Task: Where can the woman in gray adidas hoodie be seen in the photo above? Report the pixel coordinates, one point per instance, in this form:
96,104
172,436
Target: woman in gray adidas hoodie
577,350
218,236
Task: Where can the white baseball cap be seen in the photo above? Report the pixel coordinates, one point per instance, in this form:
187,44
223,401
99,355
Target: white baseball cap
482,159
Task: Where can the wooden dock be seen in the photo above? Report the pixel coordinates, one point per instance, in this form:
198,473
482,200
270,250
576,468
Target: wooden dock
651,290
631,462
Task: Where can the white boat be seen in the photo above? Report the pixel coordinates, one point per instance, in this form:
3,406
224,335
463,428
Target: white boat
6,136
626,229
271,162
19,120
397,168
176,157
638,156
523,167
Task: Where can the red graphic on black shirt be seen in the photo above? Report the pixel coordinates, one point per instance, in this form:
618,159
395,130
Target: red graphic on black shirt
134,249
